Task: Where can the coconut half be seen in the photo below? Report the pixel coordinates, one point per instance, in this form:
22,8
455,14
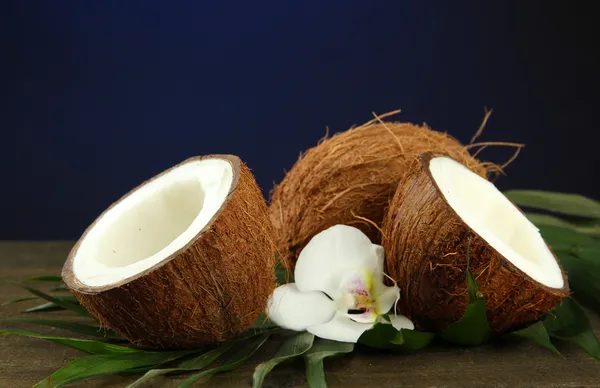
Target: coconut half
183,260
441,207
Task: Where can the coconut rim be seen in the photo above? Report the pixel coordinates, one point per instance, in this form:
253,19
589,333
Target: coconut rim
425,160
73,282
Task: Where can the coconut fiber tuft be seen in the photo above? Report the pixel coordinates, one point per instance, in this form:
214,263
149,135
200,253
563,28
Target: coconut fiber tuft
349,179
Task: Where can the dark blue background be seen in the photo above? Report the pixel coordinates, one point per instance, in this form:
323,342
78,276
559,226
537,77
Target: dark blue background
98,96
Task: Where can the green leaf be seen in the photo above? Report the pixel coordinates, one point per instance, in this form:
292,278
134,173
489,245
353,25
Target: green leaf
88,346
538,334
243,353
385,336
57,301
196,363
19,300
52,279
49,306
104,364
473,328
281,273
263,323
584,276
559,237
564,203
59,288
545,220
293,347
412,340
569,322
313,359
548,220
379,336
81,328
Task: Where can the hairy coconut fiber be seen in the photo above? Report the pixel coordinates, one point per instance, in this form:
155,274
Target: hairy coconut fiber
209,291
349,179
426,253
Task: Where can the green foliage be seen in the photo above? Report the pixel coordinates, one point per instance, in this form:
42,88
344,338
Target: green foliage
538,334
106,364
473,328
313,360
569,204
196,363
88,346
58,301
51,279
579,255
282,274
81,328
412,340
569,322
383,335
295,346
238,358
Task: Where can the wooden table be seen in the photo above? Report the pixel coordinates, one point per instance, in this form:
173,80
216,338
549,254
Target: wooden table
24,361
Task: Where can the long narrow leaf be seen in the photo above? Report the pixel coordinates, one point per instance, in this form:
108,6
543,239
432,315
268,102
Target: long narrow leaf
59,288
292,347
313,359
246,350
57,301
19,300
563,203
545,220
49,306
196,363
98,365
44,308
51,279
81,328
88,346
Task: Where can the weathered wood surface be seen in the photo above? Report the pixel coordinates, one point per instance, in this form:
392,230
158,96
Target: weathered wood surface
23,361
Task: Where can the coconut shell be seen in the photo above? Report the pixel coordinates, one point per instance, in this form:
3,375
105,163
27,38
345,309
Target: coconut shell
426,244
349,179
211,290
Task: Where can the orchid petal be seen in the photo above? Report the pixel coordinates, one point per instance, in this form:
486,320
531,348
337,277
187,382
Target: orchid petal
386,297
401,322
329,255
294,310
341,329
380,255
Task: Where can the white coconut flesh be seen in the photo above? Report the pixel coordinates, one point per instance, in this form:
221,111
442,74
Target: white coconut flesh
496,220
153,222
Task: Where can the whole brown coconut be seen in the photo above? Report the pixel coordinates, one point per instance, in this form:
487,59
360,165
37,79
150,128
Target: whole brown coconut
185,259
438,210
349,179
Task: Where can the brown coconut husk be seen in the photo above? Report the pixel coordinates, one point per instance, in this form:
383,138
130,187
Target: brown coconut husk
209,291
349,179
426,244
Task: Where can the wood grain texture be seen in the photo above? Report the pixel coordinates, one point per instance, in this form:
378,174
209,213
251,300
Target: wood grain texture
24,361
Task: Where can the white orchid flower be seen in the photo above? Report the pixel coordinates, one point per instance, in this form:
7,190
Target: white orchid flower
338,291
